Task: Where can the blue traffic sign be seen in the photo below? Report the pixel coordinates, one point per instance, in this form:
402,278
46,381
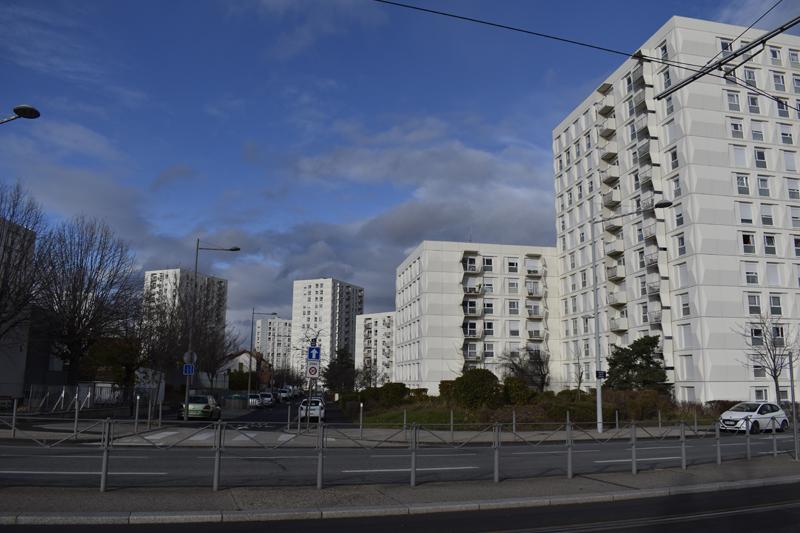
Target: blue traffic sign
188,369
313,353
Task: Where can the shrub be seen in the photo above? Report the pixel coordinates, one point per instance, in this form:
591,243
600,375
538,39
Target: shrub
477,387
392,394
419,395
516,391
446,391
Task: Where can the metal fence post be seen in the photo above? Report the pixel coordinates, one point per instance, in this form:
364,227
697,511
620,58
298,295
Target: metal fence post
514,420
569,448
405,419
149,410
719,446
160,412
75,422
106,437
136,416
659,419
217,453
452,438
747,437
320,453
497,452
289,420
694,413
413,445
361,420
14,420
774,439
616,419
633,448
683,445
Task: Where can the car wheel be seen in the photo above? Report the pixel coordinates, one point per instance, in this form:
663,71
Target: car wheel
784,426
755,429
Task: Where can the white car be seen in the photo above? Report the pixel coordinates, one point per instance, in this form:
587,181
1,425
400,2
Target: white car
283,394
316,411
757,416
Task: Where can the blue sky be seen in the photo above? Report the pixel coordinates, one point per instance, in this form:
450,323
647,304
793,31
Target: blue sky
325,138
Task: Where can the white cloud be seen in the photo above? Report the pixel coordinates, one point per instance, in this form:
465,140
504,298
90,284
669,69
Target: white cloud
745,12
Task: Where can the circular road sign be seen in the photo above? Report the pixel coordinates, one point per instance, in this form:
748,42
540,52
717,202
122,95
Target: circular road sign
190,358
313,371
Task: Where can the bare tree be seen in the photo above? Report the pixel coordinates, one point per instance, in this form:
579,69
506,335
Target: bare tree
21,220
580,375
771,341
214,346
529,364
88,285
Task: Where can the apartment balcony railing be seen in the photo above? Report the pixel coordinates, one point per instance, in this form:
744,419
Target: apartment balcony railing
614,247
534,272
609,175
618,324
641,76
534,313
654,287
608,127
643,99
654,317
643,149
645,174
648,202
645,124
612,198
472,333
612,224
535,334
654,258
473,268
617,298
608,149
649,231
473,311
535,292
473,289
615,273
606,105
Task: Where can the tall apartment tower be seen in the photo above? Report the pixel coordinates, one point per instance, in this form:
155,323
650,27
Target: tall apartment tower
375,346
728,248
274,341
175,285
324,308
464,305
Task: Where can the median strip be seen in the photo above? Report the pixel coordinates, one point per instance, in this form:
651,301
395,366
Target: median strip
386,470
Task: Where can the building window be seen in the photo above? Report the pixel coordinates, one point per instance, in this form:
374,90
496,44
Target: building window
725,47
745,213
666,79
759,372
488,307
488,264
513,307
789,163
786,134
750,77
488,328
775,304
743,183
751,274
673,159
769,245
763,186
796,83
669,107
766,215
678,215
794,58
760,155
752,104
774,55
783,107
676,187
795,214
684,304
513,266
754,304
757,130
681,244
513,328
796,246
733,102
737,129
748,243
739,157
793,188
488,350
778,82
513,286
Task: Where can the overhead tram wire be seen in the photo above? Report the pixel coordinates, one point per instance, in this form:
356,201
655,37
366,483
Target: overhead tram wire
692,67
746,30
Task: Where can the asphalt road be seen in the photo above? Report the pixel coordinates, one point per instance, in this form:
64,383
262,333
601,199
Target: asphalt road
79,465
773,509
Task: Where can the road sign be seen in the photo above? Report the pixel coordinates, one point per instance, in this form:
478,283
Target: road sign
190,358
314,341
313,353
312,371
601,374
188,369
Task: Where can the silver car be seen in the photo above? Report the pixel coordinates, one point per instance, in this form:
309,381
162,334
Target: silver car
754,416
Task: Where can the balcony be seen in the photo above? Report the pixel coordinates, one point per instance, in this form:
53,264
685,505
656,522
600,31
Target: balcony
654,258
654,317
612,198
473,289
472,333
606,105
617,298
645,174
641,76
648,202
535,292
472,268
614,247
643,99
607,128
608,149
534,272
649,231
615,273
643,149
535,334
612,224
472,311
536,314
610,175
645,125
654,288
618,324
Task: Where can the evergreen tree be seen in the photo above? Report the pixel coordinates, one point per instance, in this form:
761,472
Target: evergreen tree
636,367
340,374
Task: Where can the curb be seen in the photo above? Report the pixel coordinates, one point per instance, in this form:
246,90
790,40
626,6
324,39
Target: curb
270,515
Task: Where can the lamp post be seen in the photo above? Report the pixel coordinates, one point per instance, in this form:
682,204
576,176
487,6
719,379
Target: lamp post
189,352
595,286
794,408
22,111
253,347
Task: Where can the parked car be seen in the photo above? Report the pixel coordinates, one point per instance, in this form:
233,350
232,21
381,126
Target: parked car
283,395
757,416
202,407
316,411
255,401
267,399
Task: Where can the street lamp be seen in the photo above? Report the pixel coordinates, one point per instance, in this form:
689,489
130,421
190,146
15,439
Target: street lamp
22,111
253,347
598,362
189,353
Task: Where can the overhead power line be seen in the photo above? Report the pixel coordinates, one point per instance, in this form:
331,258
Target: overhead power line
764,14
688,66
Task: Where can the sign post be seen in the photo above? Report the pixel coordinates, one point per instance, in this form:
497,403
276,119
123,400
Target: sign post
189,360
312,373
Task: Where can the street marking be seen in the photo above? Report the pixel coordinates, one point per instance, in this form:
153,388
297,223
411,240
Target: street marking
554,451
160,435
422,455
261,457
245,436
381,470
203,435
638,460
38,472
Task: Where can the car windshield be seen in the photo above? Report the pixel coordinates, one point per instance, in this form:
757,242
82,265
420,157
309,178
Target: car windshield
254,396
745,407
198,399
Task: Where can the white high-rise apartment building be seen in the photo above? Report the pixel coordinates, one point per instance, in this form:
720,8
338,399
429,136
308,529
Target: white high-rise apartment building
325,309
463,304
726,250
274,341
175,285
375,346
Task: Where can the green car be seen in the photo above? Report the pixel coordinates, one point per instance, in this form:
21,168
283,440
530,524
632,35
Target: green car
202,407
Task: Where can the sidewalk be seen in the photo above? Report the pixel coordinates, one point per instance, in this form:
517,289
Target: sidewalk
28,505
